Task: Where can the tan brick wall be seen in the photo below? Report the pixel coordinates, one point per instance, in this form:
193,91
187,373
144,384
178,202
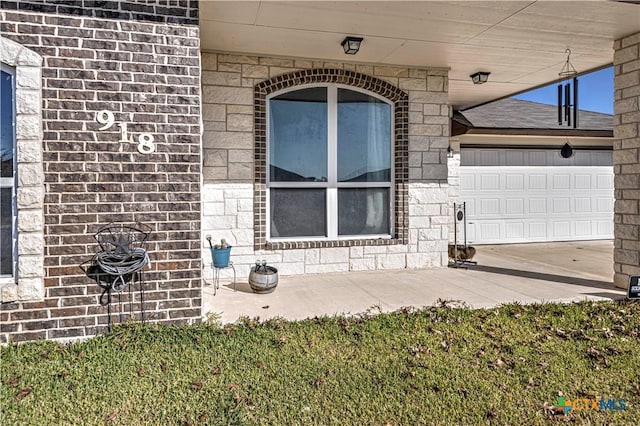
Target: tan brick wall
626,158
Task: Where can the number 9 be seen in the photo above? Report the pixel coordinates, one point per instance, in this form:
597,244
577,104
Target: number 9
105,117
145,143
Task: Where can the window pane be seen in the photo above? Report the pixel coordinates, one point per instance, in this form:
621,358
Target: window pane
6,124
6,232
298,136
298,213
363,211
364,138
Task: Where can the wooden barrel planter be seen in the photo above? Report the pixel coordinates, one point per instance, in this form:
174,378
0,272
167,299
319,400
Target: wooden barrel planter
263,278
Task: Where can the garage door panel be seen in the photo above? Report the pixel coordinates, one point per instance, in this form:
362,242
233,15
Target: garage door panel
489,231
514,230
604,228
538,230
529,203
561,205
582,205
514,182
490,207
582,181
514,206
537,181
604,181
561,181
489,182
561,228
583,228
604,205
538,206
489,158
515,158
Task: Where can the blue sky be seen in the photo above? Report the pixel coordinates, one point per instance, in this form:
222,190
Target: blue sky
595,92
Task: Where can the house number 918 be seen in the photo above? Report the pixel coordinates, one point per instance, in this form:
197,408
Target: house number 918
145,140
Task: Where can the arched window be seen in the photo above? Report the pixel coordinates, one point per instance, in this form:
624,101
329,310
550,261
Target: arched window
330,164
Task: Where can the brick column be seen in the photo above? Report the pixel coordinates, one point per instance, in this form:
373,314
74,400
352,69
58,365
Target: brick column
626,159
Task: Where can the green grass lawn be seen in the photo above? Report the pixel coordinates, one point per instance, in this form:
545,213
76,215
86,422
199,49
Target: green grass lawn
434,366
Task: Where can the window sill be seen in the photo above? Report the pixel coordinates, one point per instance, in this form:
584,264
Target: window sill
292,245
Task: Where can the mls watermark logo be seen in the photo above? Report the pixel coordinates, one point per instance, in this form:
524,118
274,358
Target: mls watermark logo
564,406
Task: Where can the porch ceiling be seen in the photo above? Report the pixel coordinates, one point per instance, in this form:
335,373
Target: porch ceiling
522,43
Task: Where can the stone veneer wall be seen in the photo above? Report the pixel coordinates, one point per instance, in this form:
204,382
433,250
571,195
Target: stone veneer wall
626,158
141,61
229,143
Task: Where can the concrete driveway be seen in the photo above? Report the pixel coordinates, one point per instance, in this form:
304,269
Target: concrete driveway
526,273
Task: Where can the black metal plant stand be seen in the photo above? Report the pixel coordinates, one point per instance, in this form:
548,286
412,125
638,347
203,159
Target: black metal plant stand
119,263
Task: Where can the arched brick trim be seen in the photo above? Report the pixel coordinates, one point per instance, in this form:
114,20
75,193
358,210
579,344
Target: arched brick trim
30,189
380,87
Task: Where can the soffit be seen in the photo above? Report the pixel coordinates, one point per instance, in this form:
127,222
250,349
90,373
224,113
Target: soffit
522,43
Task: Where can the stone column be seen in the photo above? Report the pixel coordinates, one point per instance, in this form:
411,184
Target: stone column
626,160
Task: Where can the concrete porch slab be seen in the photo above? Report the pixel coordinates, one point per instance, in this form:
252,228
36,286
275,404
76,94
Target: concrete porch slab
525,273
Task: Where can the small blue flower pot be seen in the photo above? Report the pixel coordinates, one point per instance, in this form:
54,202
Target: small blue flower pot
221,257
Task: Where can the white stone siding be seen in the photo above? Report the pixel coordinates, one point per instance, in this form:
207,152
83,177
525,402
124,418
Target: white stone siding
228,168
228,214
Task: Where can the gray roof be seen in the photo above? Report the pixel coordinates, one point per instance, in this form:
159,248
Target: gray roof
518,114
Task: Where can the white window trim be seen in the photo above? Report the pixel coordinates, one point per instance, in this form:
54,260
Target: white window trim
28,282
332,184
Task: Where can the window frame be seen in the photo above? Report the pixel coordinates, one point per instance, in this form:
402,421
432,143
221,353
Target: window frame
332,185
13,182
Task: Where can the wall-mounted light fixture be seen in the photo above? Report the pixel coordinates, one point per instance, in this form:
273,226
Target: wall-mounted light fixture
480,77
351,45
449,152
566,151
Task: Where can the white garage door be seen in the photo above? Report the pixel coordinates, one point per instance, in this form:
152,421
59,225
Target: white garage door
527,195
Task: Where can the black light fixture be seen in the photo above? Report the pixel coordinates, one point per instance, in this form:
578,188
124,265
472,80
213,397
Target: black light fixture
480,77
566,151
351,45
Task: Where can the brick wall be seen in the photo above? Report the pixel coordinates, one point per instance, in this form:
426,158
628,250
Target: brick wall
232,149
139,60
626,145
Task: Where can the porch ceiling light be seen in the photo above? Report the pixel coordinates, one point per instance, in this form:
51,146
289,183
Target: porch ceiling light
351,45
480,77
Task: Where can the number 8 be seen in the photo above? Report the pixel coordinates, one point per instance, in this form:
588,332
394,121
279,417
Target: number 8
145,143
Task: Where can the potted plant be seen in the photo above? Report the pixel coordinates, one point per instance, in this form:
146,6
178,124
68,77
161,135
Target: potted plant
220,253
263,278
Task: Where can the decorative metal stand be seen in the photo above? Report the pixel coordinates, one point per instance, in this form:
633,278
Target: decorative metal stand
461,254
118,264
220,263
216,276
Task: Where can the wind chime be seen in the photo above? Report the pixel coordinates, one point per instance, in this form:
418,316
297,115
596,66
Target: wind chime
568,102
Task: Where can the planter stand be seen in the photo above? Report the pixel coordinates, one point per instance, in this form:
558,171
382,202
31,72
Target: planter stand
216,276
